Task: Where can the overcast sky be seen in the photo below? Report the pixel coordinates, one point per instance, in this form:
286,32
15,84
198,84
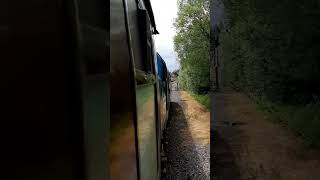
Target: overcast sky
164,13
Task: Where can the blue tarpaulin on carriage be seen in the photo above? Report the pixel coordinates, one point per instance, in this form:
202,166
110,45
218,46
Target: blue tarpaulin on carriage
161,67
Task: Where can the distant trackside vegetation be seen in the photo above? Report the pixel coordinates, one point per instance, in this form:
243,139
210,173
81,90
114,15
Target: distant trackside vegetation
270,50
191,43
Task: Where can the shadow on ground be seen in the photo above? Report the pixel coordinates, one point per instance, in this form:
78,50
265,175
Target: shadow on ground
184,162
223,164
222,160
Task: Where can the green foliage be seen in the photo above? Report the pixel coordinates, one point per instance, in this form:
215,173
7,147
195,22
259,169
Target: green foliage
192,45
304,121
202,99
271,50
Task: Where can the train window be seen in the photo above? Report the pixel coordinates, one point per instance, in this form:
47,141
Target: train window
144,63
94,32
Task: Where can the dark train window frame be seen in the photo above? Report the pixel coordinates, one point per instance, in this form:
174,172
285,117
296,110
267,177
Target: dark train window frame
145,33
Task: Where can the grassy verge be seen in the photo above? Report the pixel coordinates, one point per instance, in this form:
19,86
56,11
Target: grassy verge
202,99
303,121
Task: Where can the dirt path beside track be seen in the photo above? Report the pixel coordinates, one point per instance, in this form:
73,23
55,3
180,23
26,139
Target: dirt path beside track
249,147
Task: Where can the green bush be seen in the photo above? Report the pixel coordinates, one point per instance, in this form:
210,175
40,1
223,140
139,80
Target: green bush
272,49
304,121
202,99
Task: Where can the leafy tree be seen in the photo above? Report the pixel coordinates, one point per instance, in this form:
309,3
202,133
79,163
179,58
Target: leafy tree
192,44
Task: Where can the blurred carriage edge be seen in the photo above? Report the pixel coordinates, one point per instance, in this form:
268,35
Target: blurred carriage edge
139,92
56,89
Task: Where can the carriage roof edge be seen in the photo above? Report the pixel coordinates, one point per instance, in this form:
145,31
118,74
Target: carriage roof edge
150,12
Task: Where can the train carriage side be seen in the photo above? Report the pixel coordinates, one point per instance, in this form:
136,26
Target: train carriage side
163,78
168,85
135,124
67,77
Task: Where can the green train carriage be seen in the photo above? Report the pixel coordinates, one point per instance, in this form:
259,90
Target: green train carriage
140,98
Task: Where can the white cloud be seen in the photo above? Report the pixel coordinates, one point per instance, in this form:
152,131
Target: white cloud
164,13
